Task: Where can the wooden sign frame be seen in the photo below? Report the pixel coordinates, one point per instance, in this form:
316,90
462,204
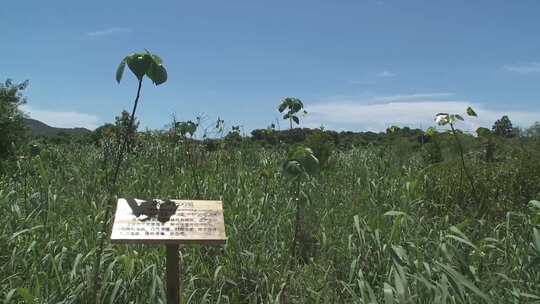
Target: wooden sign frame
170,222
193,222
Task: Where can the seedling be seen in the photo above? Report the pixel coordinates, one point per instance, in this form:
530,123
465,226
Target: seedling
300,166
293,106
140,64
444,119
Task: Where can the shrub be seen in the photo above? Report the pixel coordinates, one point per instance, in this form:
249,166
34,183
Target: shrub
13,133
322,146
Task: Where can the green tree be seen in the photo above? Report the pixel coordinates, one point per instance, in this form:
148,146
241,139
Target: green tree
503,127
293,106
13,133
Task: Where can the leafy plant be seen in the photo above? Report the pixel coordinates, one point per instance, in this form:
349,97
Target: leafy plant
292,106
322,145
300,166
185,128
140,64
444,119
13,133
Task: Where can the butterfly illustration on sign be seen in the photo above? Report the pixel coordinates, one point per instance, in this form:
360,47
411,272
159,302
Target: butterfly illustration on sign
146,210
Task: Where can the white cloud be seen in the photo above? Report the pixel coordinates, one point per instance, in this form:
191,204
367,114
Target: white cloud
409,97
361,82
62,119
386,73
373,78
370,115
109,31
524,68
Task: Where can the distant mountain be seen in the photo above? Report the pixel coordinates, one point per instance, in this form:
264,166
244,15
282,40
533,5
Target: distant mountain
39,128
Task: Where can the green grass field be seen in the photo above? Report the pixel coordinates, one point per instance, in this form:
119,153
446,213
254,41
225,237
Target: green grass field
380,226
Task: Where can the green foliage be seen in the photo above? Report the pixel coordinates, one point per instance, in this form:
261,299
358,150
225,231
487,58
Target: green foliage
124,128
432,153
382,230
117,131
503,127
471,112
233,137
322,144
393,130
293,106
13,133
184,128
301,162
142,64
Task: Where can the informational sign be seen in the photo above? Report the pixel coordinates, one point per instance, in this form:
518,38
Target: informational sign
168,222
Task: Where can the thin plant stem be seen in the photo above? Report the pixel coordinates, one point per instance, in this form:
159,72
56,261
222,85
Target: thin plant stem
297,223
463,165
112,186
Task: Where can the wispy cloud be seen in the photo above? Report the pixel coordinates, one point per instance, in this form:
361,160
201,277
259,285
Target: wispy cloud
386,74
109,32
373,78
523,68
414,96
362,82
63,119
403,110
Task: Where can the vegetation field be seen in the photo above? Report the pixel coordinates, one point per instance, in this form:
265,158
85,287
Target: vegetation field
385,222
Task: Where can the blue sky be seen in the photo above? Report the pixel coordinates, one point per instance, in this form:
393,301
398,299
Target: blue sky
357,65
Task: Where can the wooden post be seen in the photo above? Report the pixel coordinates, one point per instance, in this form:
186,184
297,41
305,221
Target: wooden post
173,274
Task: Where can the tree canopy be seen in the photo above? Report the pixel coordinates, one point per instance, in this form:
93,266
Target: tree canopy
503,127
12,130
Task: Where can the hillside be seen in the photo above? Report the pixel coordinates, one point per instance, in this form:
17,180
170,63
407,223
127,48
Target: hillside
39,128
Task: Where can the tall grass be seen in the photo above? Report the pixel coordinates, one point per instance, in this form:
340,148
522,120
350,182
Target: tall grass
385,227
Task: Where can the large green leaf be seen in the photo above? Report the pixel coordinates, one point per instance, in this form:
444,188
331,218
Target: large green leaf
293,104
461,281
284,104
471,112
120,70
157,73
483,132
296,105
139,64
295,119
292,168
305,157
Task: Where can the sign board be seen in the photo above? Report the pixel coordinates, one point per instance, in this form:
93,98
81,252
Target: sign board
168,222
